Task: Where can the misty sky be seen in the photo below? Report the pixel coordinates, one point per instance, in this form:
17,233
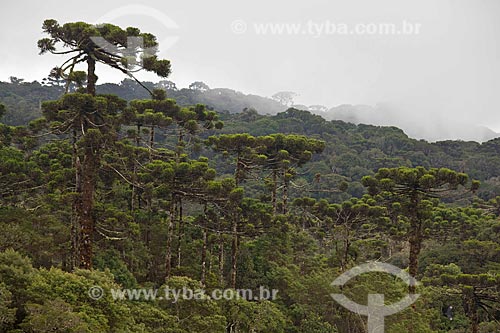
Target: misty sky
449,71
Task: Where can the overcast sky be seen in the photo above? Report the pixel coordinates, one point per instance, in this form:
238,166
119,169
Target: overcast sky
450,69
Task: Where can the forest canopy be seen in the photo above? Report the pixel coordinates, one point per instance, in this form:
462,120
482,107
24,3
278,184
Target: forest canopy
142,186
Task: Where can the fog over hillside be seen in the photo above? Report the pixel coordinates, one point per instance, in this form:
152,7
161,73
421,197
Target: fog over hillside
439,83
417,124
23,101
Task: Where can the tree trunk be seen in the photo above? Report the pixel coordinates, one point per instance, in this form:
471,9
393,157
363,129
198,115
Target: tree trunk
285,193
221,258
75,219
85,207
475,322
347,245
88,181
238,175
91,77
234,251
180,234
204,259
170,229
180,145
135,191
235,221
274,190
151,142
149,221
415,243
204,250
470,308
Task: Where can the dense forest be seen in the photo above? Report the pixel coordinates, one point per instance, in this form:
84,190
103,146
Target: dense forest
141,185
23,99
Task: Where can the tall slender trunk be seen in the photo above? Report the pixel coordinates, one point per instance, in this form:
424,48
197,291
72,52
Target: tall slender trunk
345,257
204,258
180,233
221,256
88,181
133,190
234,225
234,250
474,318
415,243
180,145
471,308
91,77
151,142
210,251
285,193
238,175
85,207
135,197
149,196
149,220
173,214
204,249
75,220
274,190
170,230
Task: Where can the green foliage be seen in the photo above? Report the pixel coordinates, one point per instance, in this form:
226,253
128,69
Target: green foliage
7,311
111,260
53,316
88,42
155,192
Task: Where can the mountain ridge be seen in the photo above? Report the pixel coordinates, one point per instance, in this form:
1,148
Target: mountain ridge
23,104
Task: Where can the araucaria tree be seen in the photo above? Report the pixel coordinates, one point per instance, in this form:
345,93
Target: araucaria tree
412,193
104,43
92,121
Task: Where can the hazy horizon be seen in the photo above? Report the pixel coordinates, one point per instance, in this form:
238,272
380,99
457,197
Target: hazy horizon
446,74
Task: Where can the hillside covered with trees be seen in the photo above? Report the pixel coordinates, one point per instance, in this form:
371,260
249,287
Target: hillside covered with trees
23,99
146,186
